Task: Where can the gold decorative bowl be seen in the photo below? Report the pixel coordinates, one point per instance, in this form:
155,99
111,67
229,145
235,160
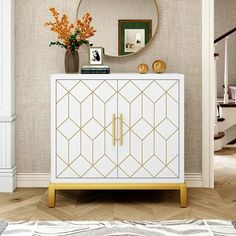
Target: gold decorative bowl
142,68
159,66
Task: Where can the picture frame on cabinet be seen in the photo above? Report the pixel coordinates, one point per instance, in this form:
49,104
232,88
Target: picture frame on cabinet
96,55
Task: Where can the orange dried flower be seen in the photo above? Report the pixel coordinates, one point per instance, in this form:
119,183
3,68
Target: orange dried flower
62,27
86,31
72,37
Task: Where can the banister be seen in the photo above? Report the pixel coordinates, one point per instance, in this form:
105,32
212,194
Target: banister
226,74
225,35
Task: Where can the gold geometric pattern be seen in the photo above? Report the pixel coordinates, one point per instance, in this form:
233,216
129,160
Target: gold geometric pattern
84,132
150,148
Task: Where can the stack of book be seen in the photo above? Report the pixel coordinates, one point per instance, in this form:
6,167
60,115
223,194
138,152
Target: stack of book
100,69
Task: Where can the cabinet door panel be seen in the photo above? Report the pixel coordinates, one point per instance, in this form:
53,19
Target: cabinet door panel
150,129
84,129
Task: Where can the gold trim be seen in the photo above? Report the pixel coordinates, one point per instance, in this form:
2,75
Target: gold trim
127,131
121,129
183,195
114,130
118,186
51,195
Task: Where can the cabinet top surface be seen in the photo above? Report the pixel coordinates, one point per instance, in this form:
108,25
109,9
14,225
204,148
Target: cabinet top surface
120,76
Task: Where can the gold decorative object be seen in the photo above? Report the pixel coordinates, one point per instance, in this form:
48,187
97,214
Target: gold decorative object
114,129
159,66
121,129
143,68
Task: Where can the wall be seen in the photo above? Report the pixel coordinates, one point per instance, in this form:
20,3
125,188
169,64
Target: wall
225,20
178,41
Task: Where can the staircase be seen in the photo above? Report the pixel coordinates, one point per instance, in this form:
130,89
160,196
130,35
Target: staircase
225,118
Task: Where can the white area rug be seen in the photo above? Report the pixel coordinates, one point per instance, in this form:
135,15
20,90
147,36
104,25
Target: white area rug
122,228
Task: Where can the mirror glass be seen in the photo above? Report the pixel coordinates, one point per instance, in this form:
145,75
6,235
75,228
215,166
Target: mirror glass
123,27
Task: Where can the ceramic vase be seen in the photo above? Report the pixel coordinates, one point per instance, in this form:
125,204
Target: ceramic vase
71,62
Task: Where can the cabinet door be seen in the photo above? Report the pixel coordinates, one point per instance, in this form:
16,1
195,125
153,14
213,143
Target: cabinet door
150,146
84,111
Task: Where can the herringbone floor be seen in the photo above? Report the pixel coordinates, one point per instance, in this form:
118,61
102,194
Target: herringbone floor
31,204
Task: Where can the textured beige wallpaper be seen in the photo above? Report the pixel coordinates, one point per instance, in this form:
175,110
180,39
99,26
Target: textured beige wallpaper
225,20
178,41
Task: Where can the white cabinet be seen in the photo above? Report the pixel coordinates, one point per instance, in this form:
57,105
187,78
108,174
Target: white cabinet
117,131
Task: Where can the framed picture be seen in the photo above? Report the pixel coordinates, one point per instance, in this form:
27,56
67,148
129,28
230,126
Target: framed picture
133,35
96,55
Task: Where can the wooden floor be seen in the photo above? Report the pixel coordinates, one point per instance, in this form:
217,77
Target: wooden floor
31,204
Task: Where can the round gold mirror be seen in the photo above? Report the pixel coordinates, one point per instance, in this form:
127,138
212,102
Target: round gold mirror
124,27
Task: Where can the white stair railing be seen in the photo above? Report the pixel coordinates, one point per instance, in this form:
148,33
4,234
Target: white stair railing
216,130
221,126
226,74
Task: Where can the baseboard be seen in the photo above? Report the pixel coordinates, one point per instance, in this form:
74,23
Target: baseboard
7,154
8,179
41,180
193,180
32,180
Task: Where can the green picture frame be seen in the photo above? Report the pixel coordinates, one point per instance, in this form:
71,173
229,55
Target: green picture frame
133,35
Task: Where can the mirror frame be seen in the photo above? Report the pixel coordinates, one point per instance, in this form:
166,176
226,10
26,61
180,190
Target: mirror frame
131,54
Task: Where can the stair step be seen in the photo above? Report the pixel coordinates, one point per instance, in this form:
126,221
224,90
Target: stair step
219,135
220,119
230,104
232,142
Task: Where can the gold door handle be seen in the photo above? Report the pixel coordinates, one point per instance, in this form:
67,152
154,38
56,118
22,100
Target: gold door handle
121,129
114,129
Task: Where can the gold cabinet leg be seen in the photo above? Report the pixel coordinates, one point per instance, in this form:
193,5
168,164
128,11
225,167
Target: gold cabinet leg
51,195
183,195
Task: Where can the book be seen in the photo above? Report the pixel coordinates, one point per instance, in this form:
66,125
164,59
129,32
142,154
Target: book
95,70
95,66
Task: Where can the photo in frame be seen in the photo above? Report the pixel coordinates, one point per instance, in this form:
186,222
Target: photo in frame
96,55
133,35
